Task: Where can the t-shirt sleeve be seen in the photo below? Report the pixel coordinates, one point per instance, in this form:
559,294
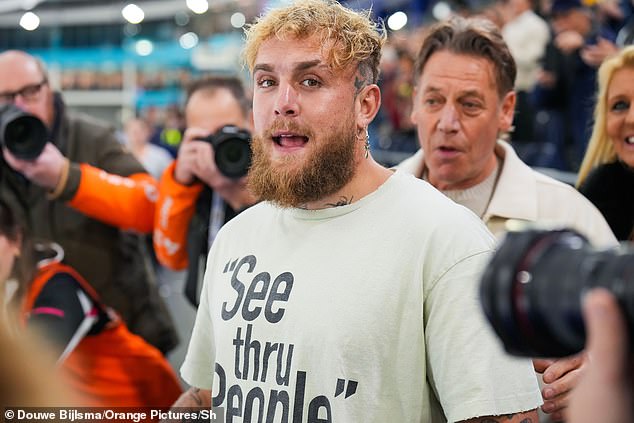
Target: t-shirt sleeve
198,367
468,369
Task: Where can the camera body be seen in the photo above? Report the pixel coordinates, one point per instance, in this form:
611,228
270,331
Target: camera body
533,287
232,150
22,133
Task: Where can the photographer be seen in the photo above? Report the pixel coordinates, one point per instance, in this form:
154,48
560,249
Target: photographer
195,197
605,391
84,191
96,356
536,268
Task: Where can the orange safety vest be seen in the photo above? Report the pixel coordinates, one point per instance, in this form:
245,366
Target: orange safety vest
175,208
123,202
114,368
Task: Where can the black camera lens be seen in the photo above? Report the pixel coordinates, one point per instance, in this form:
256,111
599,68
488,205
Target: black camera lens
232,149
533,287
233,157
22,133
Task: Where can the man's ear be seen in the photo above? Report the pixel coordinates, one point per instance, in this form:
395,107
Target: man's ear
507,111
367,104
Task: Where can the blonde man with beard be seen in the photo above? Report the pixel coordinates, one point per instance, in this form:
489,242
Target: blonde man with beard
349,294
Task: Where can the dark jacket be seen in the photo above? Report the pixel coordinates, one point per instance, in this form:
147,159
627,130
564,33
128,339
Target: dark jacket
198,244
115,261
610,187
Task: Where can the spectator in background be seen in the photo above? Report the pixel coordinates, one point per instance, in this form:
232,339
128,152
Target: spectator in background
195,198
606,176
566,86
605,392
526,35
625,36
169,134
100,360
463,101
393,126
612,13
85,192
153,158
499,12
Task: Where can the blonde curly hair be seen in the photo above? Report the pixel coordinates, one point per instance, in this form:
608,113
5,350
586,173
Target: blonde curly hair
600,147
354,37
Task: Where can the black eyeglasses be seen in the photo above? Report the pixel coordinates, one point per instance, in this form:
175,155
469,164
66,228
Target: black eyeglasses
28,93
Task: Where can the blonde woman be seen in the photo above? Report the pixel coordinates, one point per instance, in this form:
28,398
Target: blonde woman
606,176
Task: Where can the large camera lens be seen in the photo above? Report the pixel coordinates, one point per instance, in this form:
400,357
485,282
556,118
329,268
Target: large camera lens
233,157
532,289
22,133
232,148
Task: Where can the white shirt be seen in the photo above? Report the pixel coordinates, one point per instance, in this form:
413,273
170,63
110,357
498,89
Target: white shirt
367,312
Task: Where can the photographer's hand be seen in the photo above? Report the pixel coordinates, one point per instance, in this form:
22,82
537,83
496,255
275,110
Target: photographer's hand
604,394
196,160
560,376
190,154
44,171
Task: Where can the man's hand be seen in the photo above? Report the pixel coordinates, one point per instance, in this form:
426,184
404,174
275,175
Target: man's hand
604,394
196,160
594,55
560,377
569,41
194,399
44,171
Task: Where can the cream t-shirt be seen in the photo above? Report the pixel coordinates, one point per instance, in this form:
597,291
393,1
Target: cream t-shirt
363,313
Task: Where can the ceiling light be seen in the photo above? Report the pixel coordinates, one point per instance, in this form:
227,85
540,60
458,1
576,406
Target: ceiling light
133,13
181,18
397,21
441,11
198,6
29,21
144,47
188,40
238,20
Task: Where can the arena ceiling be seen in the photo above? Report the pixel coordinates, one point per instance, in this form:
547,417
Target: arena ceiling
74,12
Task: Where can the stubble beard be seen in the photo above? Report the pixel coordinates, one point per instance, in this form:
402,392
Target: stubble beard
292,180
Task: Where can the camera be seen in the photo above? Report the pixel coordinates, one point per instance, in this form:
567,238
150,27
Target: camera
232,148
533,287
22,133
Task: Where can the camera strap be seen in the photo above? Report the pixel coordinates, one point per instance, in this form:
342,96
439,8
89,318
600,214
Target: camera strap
216,218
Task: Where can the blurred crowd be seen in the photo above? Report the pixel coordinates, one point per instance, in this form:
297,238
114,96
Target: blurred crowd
558,46
82,78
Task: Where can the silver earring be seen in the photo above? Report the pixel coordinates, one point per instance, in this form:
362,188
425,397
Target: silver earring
367,143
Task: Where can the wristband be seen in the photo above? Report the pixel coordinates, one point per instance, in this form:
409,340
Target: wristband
61,183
